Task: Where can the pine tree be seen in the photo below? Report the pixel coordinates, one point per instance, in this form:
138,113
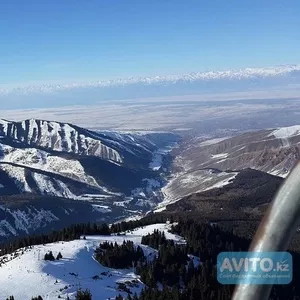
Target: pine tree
49,256
83,295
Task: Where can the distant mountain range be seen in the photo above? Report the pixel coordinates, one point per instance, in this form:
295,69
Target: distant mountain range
106,175
93,92
290,71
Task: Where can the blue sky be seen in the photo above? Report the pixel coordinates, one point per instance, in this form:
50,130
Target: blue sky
77,40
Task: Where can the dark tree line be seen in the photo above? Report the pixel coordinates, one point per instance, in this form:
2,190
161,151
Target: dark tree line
67,234
207,241
155,240
168,268
119,256
74,232
83,295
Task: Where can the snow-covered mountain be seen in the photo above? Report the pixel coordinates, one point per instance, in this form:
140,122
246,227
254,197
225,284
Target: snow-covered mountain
107,169
60,137
274,151
203,163
285,77
77,269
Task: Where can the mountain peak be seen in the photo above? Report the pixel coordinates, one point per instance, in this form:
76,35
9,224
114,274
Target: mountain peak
61,137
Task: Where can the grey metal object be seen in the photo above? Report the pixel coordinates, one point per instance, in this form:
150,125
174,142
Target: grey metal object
275,232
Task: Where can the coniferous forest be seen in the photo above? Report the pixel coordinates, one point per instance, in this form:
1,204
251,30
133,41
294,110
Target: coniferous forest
119,256
181,279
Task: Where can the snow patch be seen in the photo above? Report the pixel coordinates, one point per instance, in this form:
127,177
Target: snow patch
222,183
286,132
101,208
156,162
220,155
183,184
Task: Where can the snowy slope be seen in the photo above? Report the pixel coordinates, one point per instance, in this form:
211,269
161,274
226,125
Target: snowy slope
141,231
42,160
28,274
286,132
33,181
186,183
